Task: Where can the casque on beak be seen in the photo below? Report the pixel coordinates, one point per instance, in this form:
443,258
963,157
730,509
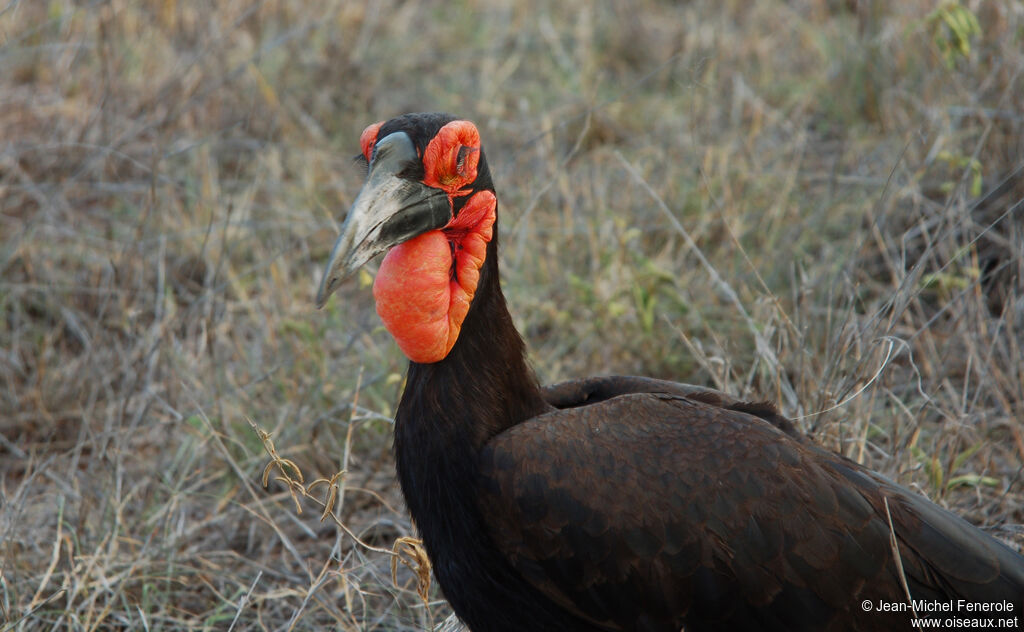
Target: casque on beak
389,210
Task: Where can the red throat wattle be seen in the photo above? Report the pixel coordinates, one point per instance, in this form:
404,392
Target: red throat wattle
425,285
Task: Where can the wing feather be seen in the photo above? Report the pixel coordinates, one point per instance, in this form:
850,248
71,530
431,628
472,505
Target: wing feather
651,510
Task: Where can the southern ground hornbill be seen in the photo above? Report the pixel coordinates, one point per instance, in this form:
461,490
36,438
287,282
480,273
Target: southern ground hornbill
615,503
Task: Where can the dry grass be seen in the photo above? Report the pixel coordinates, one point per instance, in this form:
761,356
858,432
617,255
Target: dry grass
813,201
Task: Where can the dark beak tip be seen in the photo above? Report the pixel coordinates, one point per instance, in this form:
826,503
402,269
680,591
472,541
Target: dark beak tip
324,293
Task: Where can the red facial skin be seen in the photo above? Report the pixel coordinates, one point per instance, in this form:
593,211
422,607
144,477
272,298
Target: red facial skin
425,285
369,138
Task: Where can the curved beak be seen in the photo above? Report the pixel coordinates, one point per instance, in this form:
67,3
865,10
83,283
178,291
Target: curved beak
388,211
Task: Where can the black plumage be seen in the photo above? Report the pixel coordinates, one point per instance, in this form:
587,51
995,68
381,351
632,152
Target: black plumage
627,503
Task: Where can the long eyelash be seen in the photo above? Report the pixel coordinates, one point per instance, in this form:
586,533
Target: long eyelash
464,151
362,164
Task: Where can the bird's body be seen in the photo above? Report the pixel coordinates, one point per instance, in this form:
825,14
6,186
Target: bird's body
615,503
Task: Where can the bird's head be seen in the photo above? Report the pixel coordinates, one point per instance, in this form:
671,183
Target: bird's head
428,200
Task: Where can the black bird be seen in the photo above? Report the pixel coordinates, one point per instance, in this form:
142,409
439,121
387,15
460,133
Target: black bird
616,503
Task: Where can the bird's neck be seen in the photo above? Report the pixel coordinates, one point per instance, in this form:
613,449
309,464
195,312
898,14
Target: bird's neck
451,408
449,411
485,384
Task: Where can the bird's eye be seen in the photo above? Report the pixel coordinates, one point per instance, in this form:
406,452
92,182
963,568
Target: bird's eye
461,158
451,158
